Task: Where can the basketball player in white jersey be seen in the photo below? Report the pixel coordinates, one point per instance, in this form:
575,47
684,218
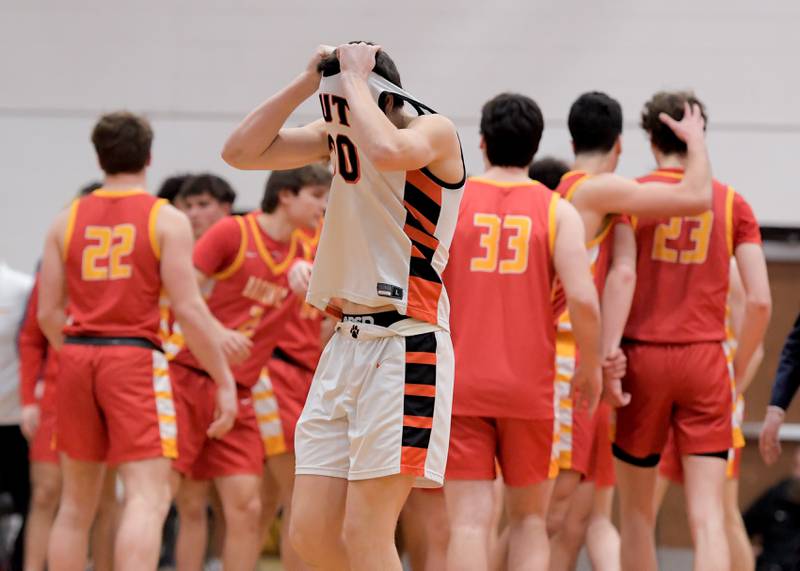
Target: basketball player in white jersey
377,420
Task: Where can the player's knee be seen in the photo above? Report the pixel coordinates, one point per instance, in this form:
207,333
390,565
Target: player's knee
192,508
244,512
74,514
309,536
45,496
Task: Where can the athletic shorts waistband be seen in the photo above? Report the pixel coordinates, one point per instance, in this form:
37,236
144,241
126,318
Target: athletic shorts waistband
113,341
381,319
629,341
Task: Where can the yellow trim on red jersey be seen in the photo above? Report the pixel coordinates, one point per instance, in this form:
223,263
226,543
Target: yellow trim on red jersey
551,222
608,223
239,260
669,174
109,193
310,239
151,226
73,213
275,267
571,192
634,221
729,219
504,184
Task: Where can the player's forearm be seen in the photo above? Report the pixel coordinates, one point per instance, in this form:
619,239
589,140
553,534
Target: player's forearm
752,368
52,322
254,135
616,305
754,326
697,177
584,312
374,134
201,336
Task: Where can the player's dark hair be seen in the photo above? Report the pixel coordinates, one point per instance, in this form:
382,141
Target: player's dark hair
122,141
89,188
548,171
206,183
171,186
671,103
511,125
595,122
293,180
384,66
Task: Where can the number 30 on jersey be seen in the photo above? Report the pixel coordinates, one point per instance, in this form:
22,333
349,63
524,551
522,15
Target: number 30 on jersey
517,228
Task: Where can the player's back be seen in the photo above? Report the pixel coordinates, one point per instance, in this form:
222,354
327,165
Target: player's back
500,276
112,262
683,269
599,247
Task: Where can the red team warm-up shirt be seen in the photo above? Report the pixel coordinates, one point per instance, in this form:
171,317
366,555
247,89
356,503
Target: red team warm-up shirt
499,278
37,360
250,285
689,254
600,248
112,260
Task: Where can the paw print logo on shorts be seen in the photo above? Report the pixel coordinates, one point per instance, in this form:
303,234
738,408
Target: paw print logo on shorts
354,331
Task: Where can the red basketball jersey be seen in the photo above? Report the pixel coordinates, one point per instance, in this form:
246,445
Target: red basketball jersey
600,248
37,360
112,265
500,277
301,337
250,286
683,267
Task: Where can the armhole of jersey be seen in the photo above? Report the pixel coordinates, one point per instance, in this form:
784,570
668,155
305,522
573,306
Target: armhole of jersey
729,196
73,213
574,188
151,227
551,223
239,259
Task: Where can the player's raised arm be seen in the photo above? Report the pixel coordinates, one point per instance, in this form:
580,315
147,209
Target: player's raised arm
200,331
690,196
52,284
572,266
262,142
426,141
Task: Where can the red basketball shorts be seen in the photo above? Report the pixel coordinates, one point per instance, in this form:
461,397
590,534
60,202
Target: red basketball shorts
43,445
523,449
686,387
240,451
279,397
114,404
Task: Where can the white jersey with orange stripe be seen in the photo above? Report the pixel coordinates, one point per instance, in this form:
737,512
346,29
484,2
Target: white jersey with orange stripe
386,235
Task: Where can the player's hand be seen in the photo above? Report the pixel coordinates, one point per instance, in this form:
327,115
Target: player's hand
586,385
236,346
225,411
688,129
769,443
300,277
357,58
614,367
31,418
322,51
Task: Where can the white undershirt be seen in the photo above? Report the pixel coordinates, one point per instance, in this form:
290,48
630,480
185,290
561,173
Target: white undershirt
15,287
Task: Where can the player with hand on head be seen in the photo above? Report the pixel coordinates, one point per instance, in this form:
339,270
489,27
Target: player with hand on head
677,373
595,124
110,254
378,414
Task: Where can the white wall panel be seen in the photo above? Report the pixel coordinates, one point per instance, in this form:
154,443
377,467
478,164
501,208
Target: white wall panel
195,67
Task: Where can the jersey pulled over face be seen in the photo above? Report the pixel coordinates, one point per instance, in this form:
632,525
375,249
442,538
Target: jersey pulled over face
683,267
500,277
386,234
250,286
112,265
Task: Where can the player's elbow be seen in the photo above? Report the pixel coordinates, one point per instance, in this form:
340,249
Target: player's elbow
759,304
186,310
234,155
584,302
624,275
